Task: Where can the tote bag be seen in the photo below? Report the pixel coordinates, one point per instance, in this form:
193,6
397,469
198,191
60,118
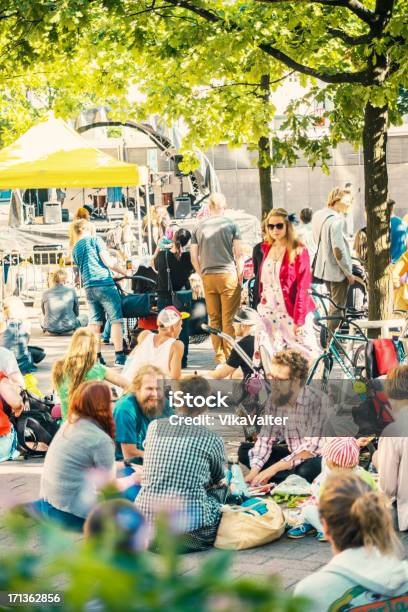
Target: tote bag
243,527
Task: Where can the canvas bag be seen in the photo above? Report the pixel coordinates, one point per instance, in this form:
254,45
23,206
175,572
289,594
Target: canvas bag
245,527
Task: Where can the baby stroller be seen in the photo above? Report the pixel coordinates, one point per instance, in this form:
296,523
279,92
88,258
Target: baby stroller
251,394
140,306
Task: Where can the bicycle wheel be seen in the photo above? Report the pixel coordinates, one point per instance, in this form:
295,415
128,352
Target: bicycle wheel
320,371
359,361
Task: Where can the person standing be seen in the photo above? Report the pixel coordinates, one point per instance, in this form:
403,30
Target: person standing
398,234
284,280
95,263
174,268
305,232
333,263
216,254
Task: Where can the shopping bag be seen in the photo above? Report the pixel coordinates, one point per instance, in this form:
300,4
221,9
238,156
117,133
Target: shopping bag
243,527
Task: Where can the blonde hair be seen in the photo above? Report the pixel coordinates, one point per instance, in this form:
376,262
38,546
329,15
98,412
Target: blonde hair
14,308
77,228
59,277
293,242
356,515
143,371
217,201
396,384
79,359
336,195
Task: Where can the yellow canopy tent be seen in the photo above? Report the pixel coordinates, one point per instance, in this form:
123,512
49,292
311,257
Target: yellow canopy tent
51,154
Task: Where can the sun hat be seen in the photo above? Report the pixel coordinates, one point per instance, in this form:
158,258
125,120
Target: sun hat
344,452
246,316
170,316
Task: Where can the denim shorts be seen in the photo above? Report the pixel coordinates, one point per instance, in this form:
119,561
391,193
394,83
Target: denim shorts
104,304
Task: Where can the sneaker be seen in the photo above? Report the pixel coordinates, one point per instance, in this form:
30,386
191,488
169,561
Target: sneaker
120,360
296,533
320,537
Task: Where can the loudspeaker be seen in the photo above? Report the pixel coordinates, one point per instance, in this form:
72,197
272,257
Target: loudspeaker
182,207
177,160
52,212
65,215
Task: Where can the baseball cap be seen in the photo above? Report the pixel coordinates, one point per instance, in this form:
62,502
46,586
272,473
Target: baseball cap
170,316
344,452
246,316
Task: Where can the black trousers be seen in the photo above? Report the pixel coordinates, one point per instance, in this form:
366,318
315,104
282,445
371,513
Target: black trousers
309,469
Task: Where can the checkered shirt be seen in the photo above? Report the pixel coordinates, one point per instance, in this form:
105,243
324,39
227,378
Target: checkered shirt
180,463
308,415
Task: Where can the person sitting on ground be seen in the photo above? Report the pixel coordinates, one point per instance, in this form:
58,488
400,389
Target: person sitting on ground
393,445
306,413
245,322
142,403
182,468
342,455
9,367
117,518
60,307
365,572
11,403
79,364
163,349
16,335
84,442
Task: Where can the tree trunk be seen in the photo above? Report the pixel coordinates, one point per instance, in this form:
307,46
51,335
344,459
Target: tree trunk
264,155
378,215
265,177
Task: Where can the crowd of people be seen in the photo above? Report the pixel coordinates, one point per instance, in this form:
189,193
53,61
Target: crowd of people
118,426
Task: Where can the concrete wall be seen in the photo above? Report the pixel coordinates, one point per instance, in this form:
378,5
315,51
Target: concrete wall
300,186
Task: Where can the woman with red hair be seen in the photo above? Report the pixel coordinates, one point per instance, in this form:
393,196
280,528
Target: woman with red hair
81,453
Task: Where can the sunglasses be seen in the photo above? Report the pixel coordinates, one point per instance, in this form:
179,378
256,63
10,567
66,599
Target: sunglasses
278,226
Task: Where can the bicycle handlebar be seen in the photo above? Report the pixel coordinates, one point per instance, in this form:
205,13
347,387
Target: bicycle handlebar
135,277
210,330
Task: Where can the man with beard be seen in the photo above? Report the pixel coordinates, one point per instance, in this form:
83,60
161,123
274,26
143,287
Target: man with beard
143,403
306,412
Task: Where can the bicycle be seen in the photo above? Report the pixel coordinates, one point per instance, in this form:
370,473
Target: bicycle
333,342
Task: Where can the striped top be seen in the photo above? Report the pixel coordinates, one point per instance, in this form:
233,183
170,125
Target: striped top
86,255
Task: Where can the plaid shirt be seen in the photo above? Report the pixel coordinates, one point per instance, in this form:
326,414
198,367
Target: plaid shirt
180,463
308,415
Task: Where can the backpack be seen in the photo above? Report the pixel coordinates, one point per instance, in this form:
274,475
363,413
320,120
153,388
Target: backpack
381,356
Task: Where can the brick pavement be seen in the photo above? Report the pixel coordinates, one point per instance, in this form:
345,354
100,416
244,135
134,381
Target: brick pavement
291,560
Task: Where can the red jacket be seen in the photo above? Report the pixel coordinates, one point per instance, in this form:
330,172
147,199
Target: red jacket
296,281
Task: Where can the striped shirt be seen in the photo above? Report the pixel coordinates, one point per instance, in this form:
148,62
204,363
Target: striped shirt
180,463
86,255
309,415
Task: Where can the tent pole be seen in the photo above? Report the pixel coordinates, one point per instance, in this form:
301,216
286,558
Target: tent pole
139,222
149,219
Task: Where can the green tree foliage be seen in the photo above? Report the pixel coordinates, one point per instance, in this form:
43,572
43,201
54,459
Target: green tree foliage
42,558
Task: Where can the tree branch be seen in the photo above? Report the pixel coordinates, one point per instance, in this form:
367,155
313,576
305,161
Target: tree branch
354,6
350,40
206,14
339,77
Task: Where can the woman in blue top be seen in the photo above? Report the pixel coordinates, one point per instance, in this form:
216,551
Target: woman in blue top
92,257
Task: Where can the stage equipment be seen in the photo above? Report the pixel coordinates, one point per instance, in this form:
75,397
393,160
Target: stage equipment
52,212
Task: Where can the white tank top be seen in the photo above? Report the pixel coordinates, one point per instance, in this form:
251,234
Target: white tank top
148,354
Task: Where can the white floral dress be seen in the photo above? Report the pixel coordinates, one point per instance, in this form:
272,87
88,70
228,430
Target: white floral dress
276,331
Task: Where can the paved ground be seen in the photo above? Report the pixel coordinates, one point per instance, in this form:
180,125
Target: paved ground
291,560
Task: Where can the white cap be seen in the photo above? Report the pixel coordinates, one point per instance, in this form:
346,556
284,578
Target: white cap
170,316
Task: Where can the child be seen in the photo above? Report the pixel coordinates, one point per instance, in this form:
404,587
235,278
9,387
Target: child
339,454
